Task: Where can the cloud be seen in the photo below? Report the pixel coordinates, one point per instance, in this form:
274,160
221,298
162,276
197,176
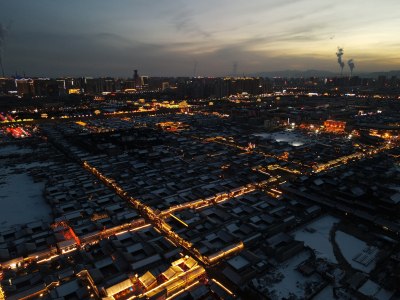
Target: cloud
112,37
184,21
164,37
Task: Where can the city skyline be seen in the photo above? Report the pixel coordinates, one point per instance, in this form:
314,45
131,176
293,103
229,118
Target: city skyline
181,38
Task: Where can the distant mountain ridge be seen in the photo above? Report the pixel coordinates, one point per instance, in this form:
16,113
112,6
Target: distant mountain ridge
388,74
296,73
323,73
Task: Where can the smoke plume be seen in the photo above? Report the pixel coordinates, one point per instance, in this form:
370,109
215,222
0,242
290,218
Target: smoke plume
339,55
350,62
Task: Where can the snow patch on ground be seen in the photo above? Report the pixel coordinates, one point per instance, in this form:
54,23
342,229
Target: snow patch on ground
357,253
292,138
316,236
21,199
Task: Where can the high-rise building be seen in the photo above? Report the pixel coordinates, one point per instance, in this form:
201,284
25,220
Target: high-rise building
25,87
165,85
381,82
144,82
136,79
7,85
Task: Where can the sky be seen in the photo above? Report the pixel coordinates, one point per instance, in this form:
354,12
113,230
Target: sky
196,38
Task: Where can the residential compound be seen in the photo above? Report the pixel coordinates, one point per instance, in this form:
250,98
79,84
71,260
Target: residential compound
267,198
